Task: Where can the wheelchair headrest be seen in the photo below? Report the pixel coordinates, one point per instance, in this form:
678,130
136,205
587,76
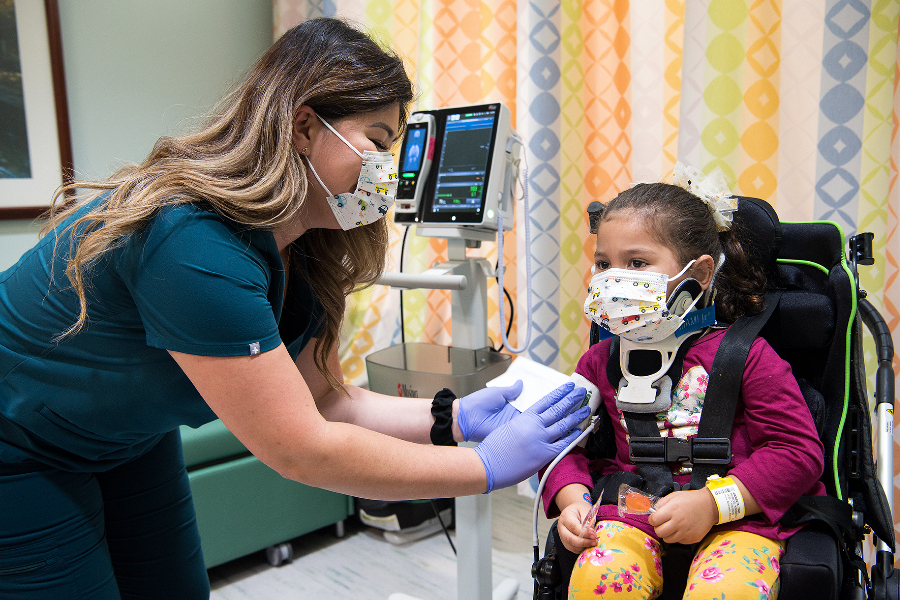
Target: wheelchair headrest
759,232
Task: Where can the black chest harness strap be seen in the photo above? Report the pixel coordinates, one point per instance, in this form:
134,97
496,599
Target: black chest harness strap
724,387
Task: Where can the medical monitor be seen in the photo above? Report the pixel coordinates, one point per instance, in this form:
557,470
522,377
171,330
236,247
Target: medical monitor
470,178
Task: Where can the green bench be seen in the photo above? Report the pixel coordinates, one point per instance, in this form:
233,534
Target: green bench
243,506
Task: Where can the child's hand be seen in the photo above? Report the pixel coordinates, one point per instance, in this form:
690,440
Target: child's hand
685,517
570,525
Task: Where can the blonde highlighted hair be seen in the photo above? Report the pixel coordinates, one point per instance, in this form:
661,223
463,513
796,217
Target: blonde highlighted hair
243,166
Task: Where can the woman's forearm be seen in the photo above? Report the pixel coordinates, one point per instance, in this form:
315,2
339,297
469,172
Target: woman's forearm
405,418
374,465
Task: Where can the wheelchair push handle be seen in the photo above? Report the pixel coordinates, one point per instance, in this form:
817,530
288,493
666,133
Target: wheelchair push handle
884,351
878,327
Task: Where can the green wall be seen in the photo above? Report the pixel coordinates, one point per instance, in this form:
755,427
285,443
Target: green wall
141,69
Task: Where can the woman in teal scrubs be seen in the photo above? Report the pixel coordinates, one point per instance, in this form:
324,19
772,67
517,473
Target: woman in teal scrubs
209,282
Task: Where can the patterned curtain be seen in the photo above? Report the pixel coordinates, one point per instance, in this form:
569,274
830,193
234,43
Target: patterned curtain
796,101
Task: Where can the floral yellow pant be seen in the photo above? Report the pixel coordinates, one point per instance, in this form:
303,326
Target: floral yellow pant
626,565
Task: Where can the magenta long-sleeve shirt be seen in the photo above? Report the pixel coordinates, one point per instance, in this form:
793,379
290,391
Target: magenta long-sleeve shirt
777,453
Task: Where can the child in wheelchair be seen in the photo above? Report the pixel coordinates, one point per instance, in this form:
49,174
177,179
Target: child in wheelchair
662,252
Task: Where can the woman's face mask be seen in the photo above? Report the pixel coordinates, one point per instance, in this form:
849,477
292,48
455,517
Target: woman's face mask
632,304
375,191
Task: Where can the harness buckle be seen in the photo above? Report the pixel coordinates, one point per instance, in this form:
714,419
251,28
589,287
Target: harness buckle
697,451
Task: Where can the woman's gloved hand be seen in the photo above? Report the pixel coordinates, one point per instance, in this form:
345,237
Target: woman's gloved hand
527,442
485,410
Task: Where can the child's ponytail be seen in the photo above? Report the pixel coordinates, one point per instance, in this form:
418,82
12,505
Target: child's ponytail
740,285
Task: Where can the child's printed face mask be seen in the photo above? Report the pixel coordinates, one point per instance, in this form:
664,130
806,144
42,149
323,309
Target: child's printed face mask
632,304
375,191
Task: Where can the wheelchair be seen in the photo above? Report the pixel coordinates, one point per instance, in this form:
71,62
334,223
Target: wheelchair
816,324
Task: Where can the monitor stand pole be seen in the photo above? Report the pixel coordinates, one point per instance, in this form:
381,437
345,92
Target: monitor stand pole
473,513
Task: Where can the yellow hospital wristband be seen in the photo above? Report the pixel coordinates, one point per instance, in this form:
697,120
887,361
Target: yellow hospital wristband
728,498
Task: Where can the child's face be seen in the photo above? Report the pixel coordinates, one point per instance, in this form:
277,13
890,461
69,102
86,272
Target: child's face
623,242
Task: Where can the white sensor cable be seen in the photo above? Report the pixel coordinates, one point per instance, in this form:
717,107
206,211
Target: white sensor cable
501,267
540,489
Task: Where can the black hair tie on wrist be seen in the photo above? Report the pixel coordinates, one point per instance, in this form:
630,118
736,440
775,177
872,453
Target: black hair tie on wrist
442,410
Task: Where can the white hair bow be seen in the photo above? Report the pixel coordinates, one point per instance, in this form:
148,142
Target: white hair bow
712,189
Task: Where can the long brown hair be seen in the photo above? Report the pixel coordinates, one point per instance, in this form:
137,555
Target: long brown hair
242,165
683,222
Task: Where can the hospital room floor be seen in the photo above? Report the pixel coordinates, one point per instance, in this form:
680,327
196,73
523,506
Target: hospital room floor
364,565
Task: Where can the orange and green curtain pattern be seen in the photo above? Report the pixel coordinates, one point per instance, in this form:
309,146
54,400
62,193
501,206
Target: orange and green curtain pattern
796,101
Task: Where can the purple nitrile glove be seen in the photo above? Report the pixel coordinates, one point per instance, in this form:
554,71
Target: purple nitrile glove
527,442
485,410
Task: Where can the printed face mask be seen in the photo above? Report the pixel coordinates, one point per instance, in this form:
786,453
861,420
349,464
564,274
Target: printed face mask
375,191
632,304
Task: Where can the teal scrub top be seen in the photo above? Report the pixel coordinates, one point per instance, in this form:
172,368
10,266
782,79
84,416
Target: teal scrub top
190,281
